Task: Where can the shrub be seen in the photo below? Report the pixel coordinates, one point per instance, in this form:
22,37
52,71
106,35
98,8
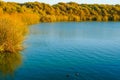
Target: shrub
12,33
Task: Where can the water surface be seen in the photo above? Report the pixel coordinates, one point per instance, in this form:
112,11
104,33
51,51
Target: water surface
71,51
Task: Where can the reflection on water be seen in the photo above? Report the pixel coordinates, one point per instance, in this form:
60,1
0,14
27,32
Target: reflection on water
66,51
72,51
76,31
9,62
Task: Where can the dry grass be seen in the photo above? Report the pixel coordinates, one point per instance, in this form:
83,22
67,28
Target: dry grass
12,31
29,18
13,28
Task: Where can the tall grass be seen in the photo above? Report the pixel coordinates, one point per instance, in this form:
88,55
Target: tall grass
29,18
12,31
13,28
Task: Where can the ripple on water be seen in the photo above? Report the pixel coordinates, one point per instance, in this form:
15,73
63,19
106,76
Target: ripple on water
72,51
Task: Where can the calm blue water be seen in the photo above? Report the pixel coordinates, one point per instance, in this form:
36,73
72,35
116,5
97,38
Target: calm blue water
71,51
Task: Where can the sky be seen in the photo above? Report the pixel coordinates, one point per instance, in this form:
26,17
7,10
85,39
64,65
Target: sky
78,1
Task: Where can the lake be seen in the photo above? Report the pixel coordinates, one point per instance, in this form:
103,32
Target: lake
70,51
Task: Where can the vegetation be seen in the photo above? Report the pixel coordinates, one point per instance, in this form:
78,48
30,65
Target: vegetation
11,34
63,11
16,16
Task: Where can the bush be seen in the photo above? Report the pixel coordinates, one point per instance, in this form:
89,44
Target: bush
12,33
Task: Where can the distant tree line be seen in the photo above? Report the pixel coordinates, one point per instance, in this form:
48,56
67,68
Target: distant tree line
64,11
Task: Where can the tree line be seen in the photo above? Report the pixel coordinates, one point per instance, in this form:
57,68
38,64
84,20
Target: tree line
64,11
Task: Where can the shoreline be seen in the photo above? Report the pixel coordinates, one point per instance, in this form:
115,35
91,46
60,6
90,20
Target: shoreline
16,18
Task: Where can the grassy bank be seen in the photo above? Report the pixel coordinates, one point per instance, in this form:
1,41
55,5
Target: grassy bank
13,29
16,16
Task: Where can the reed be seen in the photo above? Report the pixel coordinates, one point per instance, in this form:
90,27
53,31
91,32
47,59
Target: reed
29,18
12,34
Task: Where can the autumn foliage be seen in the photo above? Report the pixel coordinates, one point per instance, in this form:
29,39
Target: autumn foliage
63,11
16,16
